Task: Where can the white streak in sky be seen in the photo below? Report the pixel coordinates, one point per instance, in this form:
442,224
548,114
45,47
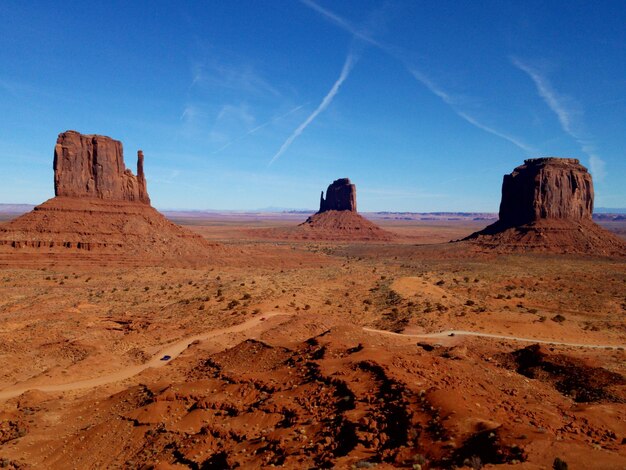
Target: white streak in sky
392,52
555,102
342,23
452,102
259,127
568,113
345,71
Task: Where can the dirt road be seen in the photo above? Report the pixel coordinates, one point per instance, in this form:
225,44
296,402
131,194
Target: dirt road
175,349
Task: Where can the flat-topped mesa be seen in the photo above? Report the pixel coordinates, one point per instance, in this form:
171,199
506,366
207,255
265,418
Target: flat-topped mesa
340,196
93,166
546,188
547,204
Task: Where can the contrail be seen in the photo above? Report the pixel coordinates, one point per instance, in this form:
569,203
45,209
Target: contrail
552,99
345,71
396,54
343,24
265,124
452,102
568,114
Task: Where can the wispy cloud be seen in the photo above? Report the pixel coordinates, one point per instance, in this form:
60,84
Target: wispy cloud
394,52
259,127
190,113
230,120
569,113
345,71
240,77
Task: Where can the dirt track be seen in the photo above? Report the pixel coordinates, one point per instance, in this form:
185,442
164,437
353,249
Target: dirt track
175,349
443,334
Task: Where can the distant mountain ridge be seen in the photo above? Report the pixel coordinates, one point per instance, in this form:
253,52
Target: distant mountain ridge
16,208
602,213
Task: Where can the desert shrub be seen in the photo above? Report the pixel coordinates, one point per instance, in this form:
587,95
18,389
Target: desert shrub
393,298
232,304
558,318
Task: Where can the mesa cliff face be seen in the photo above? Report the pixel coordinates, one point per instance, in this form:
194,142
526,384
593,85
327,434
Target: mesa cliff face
93,166
547,205
546,188
340,196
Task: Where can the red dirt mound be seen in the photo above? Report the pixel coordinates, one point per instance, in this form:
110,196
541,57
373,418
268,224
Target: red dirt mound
335,401
95,225
551,236
331,225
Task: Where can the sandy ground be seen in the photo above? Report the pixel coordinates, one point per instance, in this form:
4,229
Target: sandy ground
284,354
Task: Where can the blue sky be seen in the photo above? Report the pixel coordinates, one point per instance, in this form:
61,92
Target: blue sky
252,104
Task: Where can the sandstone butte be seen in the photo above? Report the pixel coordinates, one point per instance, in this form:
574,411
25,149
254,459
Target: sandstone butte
547,206
93,166
340,196
338,219
100,208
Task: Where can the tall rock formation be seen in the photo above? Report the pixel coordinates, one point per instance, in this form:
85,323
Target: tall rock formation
547,205
340,196
338,219
546,188
100,208
93,166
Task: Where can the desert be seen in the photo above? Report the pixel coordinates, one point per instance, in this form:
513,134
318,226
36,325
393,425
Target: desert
408,351
175,292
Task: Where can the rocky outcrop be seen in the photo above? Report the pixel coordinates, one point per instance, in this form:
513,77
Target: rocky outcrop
546,188
101,212
93,166
547,206
340,196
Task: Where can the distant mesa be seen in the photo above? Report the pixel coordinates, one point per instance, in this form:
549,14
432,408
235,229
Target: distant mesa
100,208
547,205
338,219
340,196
